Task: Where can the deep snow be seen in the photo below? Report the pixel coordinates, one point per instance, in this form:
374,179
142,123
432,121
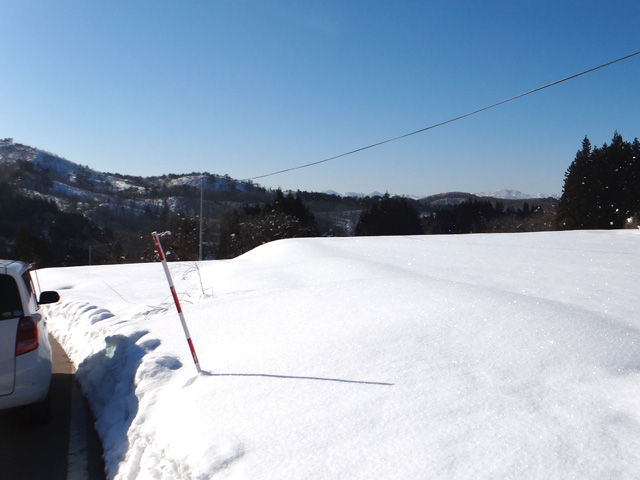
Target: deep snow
475,356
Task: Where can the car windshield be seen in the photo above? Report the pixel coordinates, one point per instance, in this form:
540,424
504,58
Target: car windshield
10,304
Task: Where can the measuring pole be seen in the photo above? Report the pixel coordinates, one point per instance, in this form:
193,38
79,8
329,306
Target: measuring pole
156,240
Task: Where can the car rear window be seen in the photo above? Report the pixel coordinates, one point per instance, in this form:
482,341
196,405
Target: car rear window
10,303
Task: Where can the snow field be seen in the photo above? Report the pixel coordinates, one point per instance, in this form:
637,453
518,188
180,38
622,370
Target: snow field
477,356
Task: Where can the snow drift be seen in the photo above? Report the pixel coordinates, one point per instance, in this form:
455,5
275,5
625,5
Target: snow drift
476,356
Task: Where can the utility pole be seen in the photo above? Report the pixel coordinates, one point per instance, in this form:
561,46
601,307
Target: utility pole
201,219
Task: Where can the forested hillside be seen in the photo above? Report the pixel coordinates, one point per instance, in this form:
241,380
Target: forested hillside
56,212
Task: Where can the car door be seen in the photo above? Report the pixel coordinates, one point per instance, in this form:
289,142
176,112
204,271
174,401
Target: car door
10,313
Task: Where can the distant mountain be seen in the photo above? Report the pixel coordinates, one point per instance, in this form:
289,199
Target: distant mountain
515,195
446,199
434,203
354,194
501,194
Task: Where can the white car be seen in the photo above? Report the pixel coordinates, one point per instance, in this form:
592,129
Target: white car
25,351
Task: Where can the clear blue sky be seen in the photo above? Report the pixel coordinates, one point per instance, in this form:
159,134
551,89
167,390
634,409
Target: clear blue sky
245,88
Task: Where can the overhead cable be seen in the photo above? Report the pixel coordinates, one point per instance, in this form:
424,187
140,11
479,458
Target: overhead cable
445,122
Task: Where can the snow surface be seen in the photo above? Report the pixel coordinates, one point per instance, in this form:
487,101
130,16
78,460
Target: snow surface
448,357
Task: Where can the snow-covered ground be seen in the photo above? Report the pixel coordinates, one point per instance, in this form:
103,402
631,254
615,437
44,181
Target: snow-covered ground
448,357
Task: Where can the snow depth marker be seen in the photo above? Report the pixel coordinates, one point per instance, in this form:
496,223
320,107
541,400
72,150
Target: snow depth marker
156,240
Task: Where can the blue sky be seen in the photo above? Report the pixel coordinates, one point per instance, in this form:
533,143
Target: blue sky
246,88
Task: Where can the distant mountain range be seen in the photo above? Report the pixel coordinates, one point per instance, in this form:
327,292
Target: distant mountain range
501,194
516,195
69,179
116,201
114,213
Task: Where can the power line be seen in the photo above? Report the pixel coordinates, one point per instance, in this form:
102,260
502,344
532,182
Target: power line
445,122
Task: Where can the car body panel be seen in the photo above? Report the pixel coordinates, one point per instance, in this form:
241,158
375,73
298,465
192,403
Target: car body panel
8,329
33,378
24,379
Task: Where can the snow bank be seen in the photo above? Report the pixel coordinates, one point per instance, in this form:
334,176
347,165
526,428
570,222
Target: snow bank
477,356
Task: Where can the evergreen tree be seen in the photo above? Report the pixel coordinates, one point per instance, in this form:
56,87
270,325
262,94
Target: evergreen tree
32,248
285,217
572,208
602,187
482,216
390,216
183,243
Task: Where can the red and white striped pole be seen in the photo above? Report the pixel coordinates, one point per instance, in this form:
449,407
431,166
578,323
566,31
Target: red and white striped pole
156,240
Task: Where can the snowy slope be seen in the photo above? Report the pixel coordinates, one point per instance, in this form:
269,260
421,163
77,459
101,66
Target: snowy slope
449,357
516,195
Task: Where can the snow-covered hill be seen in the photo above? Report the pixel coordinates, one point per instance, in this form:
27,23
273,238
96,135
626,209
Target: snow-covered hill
501,194
441,357
516,195
46,175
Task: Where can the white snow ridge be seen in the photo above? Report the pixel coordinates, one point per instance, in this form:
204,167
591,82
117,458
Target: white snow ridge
441,357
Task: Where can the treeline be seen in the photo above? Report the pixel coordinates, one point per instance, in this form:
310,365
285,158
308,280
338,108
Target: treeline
602,186
485,216
601,191
38,231
285,217
390,216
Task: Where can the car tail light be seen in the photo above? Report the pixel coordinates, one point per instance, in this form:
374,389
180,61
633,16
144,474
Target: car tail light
27,338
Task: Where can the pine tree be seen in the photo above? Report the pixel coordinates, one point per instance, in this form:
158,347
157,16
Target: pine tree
285,217
390,216
602,187
572,207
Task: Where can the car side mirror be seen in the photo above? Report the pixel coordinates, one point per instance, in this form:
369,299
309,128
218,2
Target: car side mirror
48,297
